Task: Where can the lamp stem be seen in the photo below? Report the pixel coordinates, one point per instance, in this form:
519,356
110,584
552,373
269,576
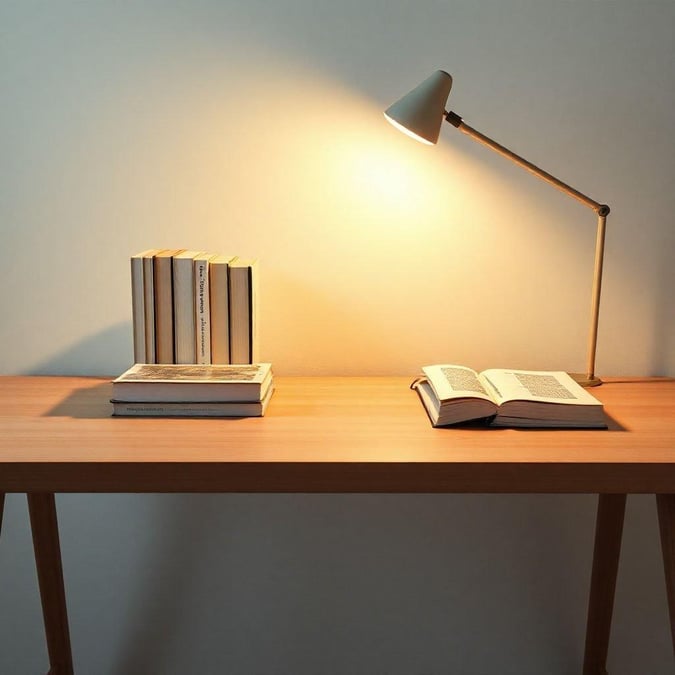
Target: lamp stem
588,379
591,379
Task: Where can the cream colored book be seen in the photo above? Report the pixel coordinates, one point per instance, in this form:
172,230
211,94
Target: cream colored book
189,409
163,272
195,383
149,303
138,304
507,398
244,311
184,326
219,294
202,308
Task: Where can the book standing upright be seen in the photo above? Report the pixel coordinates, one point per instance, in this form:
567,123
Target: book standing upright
219,293
243,311
184,326
149,304
164,342
138,305
202,308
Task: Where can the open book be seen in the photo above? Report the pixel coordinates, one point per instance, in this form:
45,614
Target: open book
506,398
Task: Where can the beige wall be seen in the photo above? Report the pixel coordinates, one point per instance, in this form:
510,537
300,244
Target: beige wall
255,128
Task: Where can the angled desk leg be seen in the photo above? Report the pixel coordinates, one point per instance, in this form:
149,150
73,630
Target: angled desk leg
608,531
42,509
665,505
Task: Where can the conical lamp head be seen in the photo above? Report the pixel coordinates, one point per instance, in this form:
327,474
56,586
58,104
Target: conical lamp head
420,112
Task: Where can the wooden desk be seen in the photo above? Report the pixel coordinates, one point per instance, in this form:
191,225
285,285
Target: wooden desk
330,434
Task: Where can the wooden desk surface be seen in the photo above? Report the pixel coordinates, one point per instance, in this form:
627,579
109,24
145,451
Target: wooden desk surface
325,434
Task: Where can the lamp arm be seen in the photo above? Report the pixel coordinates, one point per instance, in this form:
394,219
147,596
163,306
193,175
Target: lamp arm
589,378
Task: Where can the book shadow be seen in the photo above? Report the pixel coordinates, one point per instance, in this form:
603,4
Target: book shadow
105,352
93,402
86,402
612,425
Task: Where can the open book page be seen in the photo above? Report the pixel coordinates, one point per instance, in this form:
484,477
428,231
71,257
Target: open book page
541,386
449,381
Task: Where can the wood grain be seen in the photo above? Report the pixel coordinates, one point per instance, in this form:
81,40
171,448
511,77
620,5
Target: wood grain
325,434
608,531
44,526
665,504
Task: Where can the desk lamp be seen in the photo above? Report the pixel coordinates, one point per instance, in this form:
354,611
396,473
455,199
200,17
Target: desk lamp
420,113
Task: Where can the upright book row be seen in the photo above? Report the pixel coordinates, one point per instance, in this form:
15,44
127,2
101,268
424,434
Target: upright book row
194,307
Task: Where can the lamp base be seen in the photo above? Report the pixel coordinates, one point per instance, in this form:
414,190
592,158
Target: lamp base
584,380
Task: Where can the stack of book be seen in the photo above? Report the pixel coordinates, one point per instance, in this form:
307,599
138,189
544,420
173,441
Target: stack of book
194,307
173,390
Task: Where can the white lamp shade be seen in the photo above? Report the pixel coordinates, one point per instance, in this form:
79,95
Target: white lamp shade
420,113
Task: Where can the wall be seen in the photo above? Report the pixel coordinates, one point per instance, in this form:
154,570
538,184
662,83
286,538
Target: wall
255,128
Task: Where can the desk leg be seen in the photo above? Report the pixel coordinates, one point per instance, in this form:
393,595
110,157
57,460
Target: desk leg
665,505
2,507
608,530
42,509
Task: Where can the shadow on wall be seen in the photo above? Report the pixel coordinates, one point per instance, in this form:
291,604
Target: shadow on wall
105,353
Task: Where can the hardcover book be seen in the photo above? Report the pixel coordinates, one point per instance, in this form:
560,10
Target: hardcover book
219,294
202,308
164,342
197,383
138,304
149,304
506,398
243,311
184,331
190,409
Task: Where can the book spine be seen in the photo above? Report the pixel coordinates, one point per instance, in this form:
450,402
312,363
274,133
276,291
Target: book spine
184,311
202,311
220,312
129,409
164,309
149,308
240,314
138,308
254,339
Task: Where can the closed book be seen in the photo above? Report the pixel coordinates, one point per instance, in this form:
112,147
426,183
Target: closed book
202,308
196,383
190,409
184,331
164,305
219,306
149,304
243,311
138,305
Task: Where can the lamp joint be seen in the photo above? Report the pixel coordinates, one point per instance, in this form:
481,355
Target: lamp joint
603,210
453,118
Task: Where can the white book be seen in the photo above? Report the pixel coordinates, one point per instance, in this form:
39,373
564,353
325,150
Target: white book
138,305
243,311
189,409
149,304
219,293
202,308
502,397
194,383
184,326
164,340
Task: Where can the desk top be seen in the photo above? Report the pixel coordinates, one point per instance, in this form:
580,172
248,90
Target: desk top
325,434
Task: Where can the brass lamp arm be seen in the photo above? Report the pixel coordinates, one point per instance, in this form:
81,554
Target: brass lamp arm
589,378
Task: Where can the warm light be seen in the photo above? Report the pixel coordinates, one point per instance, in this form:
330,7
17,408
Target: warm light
407,131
